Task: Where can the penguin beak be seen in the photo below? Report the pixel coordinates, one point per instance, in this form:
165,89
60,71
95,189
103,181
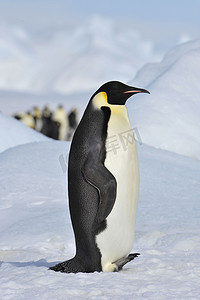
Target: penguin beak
136,90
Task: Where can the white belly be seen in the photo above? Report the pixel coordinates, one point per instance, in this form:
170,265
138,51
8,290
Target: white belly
116,241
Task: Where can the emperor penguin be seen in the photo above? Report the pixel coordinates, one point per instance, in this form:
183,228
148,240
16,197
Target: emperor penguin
49,127
60,116
103,183
72,120
37,115
28,120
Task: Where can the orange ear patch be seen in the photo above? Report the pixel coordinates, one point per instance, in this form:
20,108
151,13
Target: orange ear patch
105,96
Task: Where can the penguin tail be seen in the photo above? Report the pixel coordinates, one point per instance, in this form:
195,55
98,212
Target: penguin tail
122,261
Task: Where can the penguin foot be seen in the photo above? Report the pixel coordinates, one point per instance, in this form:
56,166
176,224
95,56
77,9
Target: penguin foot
75,265
68,266
122,261
61,267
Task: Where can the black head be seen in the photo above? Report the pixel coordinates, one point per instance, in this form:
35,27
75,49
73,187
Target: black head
118,92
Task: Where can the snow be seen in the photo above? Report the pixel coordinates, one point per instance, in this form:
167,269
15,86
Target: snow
65,65
36,229
71,59
169,118
13,133
12,102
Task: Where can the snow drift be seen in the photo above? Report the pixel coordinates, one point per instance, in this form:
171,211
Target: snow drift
14,133
170,118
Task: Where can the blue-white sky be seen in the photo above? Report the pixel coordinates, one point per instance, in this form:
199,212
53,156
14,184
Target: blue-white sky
42,13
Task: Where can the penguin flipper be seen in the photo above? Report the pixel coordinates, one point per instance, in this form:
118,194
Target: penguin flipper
97,175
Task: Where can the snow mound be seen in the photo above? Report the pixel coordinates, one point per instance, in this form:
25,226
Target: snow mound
13,133
169,117
33,179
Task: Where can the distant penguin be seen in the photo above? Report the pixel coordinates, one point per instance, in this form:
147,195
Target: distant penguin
60,116
46,112
28,120
72,118
50,128
18,116
103,184
37,115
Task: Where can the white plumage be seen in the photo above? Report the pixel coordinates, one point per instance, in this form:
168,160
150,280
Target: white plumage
116,241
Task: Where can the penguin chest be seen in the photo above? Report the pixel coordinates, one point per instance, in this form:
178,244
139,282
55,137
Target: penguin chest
116,241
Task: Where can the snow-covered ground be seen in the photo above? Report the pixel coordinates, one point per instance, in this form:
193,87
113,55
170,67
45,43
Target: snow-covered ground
36,230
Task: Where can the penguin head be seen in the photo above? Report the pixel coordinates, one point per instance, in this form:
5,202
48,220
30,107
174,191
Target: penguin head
46,112
117,93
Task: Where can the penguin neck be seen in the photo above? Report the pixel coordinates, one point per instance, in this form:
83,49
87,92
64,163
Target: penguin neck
118,111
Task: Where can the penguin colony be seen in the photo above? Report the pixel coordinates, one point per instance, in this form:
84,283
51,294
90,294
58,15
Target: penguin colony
102,185
57,124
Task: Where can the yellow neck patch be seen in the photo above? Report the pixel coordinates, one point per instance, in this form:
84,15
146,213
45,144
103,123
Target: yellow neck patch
101,99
